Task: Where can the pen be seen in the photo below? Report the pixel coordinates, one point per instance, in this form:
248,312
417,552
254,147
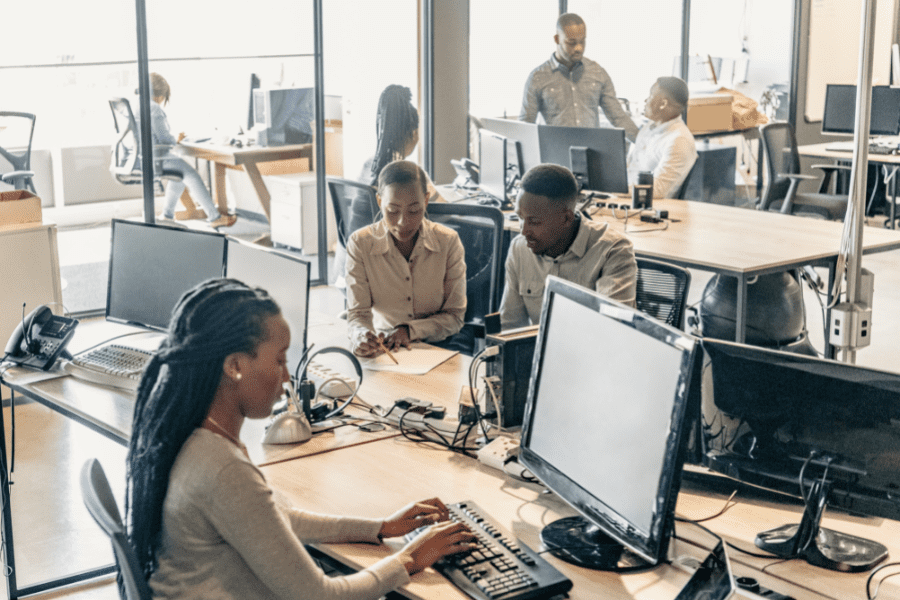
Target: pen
388,352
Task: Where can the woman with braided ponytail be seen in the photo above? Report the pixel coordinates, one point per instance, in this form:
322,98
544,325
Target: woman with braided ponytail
200,516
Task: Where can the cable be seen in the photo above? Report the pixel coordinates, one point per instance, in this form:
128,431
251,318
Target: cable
728,505
496,402
871,596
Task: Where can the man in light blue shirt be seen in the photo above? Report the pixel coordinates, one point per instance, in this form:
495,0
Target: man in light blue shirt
568,88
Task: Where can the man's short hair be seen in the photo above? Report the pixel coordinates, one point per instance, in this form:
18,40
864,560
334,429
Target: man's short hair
402,172
554,182
568,19
674,88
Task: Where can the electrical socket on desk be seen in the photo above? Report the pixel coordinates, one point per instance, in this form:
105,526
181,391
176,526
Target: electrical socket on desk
319,374
498,452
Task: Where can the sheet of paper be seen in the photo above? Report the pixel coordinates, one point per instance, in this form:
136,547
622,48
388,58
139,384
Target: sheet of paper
418,360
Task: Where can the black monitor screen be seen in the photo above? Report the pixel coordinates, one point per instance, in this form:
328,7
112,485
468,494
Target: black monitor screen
607,142
151,266
285,277
494,162
603,423
840,110
766,412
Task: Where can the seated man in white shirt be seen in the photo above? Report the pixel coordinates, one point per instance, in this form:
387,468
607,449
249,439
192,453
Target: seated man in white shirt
664,146
555,240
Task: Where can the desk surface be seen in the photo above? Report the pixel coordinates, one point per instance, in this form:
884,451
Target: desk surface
735,241
232,155
821,151
392,472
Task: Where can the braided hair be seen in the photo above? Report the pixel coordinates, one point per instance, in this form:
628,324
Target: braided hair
211,321
396,122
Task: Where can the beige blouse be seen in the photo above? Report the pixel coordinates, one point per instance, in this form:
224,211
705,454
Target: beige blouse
384,290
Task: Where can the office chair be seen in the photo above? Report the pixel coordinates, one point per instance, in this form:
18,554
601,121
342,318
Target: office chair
343,193
99,500
783,172
686,184
662,290
16,133
480,228
126,164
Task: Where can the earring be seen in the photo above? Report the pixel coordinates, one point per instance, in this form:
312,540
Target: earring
237,376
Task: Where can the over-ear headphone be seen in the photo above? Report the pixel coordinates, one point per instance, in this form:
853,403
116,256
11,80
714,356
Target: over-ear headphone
308,391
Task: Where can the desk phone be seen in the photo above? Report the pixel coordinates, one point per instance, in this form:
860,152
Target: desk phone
40,339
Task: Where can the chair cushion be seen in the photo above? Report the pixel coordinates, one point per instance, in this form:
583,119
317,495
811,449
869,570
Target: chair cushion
828,206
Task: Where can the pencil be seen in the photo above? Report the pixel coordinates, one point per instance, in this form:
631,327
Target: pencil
388,352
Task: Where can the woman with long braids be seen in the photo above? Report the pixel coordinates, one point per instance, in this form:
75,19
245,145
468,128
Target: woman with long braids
200,515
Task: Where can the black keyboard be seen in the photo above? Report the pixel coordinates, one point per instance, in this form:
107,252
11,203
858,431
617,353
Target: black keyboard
499,568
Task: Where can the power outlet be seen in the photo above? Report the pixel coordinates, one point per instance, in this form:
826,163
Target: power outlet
499,452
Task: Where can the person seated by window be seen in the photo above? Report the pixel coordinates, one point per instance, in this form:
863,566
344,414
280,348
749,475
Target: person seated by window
200,516
555,240
664,146
406,276
162,136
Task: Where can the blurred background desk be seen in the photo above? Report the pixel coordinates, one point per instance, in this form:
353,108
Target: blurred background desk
892,161
248,158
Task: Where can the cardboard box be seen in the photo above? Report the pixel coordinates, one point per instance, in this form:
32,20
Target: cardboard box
709,112
19,206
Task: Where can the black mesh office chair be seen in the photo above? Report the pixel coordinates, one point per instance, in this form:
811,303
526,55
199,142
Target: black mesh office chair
16,133
480,229
100,502
662,290
343,193
126,164
783,172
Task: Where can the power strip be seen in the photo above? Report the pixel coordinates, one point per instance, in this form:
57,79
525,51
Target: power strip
320,374
414,418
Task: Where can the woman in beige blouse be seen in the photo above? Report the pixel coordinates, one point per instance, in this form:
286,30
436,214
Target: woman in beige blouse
406,276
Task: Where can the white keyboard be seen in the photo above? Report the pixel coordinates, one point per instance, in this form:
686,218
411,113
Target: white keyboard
112,365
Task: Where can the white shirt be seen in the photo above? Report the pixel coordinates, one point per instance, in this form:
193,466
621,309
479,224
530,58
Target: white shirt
665,149
599,258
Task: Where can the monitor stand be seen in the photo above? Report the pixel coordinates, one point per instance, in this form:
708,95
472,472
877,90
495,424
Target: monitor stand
819,546
580,542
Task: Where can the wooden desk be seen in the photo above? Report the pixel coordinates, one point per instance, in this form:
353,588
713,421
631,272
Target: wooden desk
822,151
376,479
224,156
739,243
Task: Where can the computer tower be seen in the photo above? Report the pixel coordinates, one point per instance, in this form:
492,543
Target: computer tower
512,370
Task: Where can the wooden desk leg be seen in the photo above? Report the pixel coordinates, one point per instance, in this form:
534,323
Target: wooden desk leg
830,351
740,324
190,210
219,196
260,186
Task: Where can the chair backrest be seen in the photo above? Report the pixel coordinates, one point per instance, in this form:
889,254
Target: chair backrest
344,194
15,142
100,502
126,149
686,184
781,158
662,290
480,229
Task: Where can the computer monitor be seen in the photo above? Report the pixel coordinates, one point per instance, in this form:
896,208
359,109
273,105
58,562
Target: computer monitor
524,133
840,110
151,266
285,277
283,115
607,142
604,425
499,156
817,429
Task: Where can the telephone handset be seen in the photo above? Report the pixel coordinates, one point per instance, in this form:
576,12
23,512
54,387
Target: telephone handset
40,339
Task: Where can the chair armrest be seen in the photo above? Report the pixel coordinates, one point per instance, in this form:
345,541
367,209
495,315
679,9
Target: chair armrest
13,175
798,177
832,167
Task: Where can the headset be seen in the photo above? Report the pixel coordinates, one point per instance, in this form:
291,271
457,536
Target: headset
308,391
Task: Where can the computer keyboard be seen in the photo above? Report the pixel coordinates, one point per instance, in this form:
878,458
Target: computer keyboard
112,365
874,148
499,568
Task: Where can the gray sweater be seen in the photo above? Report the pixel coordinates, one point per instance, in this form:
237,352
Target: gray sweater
224,536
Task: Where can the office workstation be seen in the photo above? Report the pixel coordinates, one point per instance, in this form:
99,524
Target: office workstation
701,236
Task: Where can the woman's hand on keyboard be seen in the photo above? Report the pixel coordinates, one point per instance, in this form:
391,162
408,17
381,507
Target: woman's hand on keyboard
415,515
435,543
